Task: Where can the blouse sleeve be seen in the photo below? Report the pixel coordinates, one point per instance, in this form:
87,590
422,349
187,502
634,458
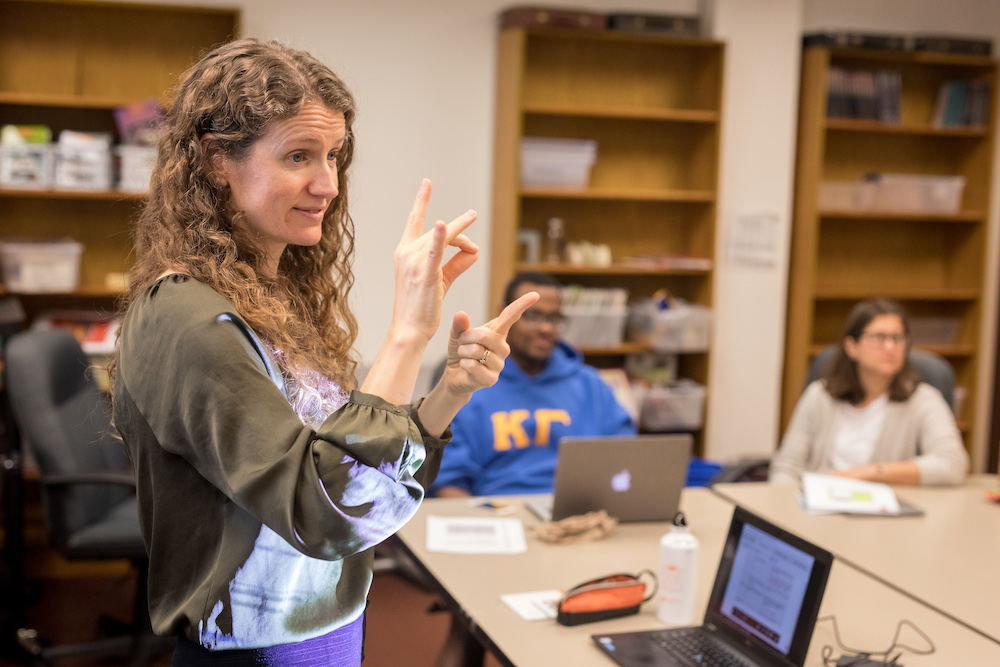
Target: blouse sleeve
206,397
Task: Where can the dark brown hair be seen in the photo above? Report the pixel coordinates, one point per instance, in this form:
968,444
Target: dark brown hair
841,375
237,92
528,277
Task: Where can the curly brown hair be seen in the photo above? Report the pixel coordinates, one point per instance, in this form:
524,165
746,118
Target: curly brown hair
236,93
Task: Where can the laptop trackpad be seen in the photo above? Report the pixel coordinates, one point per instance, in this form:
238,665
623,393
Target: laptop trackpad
629,649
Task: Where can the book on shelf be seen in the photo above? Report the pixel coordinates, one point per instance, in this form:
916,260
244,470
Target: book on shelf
550,17
962,103
864,95
899,42
95,331
951,44
855,40
674,25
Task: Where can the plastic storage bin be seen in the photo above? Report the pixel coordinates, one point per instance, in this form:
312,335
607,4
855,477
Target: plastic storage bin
40,265
846,195
135,166
26,165
557,163
594,326
680,407
683,328
914,193
79,168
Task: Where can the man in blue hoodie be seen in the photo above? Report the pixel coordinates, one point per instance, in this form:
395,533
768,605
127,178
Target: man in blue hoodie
506,439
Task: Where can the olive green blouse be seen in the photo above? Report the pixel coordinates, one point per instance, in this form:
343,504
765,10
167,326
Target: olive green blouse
259,529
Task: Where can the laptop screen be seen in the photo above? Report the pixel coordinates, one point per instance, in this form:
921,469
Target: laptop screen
768,589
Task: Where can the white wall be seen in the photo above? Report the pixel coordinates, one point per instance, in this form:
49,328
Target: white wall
423,73
756,179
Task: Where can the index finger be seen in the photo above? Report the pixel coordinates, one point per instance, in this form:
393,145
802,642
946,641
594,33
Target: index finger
415,222
512,313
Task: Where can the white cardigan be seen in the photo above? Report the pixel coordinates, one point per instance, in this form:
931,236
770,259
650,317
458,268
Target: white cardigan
921,429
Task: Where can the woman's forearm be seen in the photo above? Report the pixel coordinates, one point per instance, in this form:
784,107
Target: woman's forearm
393,374
439,407
897,472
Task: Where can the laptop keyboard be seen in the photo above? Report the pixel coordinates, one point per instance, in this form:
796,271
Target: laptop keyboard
698,646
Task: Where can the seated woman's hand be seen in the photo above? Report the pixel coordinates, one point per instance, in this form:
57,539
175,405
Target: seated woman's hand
477,355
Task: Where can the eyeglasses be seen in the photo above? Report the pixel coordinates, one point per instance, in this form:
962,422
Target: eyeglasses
536,318
880,339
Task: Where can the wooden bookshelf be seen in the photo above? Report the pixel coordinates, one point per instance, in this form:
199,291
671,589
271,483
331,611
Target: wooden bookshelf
654,107
67,65
933,263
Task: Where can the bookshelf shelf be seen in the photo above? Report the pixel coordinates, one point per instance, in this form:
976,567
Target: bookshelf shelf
610,271
49,193
623,194
922,58
83,292
934,264
872,126
857,294
67,101
894,216
633,113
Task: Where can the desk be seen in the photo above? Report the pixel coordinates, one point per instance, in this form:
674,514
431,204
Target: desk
948,559
866,610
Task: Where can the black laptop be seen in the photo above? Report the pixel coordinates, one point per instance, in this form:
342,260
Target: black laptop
762,611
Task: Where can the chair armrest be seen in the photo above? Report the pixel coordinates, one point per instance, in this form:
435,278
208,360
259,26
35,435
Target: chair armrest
67,479
743,471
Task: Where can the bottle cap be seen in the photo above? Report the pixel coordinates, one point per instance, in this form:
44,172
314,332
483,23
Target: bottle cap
679,520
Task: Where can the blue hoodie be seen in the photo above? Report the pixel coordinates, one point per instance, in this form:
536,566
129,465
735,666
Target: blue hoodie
505,440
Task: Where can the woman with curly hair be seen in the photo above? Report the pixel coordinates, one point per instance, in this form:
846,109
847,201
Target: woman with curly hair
264,475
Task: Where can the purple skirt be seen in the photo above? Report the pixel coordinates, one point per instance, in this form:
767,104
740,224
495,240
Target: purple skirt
341,648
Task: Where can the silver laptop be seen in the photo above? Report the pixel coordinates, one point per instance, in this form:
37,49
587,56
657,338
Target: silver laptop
762,611
632,478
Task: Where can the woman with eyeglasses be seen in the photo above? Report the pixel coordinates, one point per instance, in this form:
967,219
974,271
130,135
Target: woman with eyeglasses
870,416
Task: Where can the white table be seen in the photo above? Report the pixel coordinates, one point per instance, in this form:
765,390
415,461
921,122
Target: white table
948,559
867,610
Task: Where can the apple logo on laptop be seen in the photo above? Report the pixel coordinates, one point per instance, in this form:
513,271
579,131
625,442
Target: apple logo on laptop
621,481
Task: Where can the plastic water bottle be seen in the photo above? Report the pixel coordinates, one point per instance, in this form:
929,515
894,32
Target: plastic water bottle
555,241
678,574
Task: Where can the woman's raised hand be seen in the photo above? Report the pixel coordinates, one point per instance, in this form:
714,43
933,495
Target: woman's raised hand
477,355
421,278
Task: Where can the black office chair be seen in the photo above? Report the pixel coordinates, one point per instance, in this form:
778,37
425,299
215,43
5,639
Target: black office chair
89,505
933,369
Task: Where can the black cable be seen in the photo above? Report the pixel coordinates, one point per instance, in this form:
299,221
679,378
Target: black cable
828,650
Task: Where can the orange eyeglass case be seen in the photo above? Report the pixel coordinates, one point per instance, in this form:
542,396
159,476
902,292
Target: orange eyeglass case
608,597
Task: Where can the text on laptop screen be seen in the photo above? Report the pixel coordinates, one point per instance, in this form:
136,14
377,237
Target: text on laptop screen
766,587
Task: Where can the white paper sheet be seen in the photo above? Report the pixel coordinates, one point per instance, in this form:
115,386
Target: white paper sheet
824,494
534,605
475,535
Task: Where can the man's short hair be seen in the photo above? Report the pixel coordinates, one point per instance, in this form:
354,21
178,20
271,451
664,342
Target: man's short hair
533,277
